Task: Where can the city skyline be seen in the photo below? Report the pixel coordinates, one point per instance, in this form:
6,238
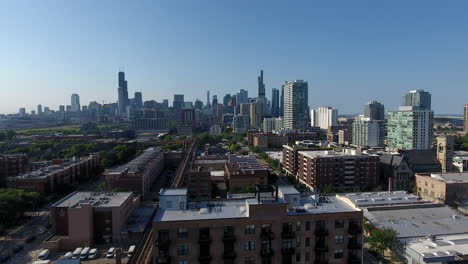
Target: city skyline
422,49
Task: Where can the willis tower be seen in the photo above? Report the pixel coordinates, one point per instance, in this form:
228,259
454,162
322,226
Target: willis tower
123,94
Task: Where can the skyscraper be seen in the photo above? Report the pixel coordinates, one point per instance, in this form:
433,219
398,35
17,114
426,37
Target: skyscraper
123,94
177,105
296,105
39,109
242,97
374,110
207,98
261,86
465,119
256,114
418,98
281,105
368,132
275,108
410,128
324,117
75,103
138,100
226,100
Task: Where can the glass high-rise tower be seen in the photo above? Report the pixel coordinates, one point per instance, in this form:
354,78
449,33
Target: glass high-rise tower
296,105
418,98
123,94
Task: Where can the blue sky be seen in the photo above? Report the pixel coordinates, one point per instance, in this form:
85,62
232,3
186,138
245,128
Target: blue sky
349,51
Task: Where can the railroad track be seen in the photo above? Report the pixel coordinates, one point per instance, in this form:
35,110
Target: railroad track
145,250
177,180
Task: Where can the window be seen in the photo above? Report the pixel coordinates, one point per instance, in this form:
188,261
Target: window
338,253
266,228
287,243
307,226
307,241
298,226
298,242
249,245
307,256
250,229
249,260
339,239
298,257
182,250
339,224
182,233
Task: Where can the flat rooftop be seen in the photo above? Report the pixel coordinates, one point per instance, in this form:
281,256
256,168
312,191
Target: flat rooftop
246,163
375,199
178,191
50,169
139,163
238,207
331,153
435,248
453,177
418,220
97,199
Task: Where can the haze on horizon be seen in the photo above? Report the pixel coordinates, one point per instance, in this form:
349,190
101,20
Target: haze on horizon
349,52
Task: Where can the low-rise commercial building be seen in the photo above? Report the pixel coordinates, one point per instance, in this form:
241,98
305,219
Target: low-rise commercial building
269,226
343,171
56,175
451,249
242,171
448,188
138,174
85,218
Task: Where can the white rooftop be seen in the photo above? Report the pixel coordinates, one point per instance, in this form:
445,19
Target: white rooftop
433,249
372,199
331,153
97,199
179,191
237,206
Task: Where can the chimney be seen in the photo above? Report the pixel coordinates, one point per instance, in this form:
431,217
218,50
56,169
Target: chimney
118,256
390,184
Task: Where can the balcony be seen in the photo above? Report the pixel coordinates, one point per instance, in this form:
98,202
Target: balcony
321,232
288,251
204,240
229,237
229,255
267,252
204,259
353,244
163,244
164,260
354,229
288,235
267,235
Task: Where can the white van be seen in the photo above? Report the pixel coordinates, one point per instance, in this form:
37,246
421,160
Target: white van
92,253
84,253
43,255
68,255
131,250
77,252
110,253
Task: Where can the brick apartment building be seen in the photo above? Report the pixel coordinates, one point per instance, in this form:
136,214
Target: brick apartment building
12,165
138,174
56,175
242,171
349,170
85,218
272,140
447,188
270,226
290,152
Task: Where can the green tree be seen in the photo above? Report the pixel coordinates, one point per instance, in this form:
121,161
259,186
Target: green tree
381,239
248,189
